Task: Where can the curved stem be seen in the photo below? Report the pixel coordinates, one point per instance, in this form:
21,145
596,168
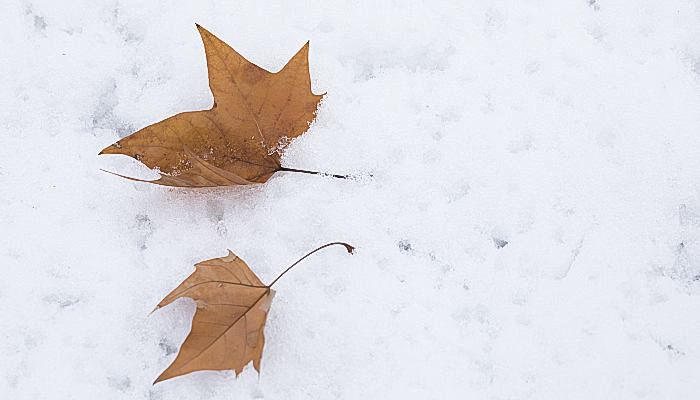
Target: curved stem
347,247
303,171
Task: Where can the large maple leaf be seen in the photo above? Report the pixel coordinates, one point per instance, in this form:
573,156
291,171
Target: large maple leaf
237,141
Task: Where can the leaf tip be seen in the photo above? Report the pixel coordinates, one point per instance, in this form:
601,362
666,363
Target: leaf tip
111,149
305,49
159,378
202,30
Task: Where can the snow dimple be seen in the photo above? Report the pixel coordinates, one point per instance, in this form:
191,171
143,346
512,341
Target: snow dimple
499,243
61,300
104,115
405,246
120,383
39,23
168,348
143,224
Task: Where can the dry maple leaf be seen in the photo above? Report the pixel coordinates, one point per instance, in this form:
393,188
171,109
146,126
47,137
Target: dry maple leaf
227,328
237,141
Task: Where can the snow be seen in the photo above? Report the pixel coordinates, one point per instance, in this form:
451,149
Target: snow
531,229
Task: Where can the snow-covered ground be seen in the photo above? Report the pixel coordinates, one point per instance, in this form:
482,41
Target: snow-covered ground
531,230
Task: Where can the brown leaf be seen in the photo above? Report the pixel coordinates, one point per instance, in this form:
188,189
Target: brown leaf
227,329
232,305
236,142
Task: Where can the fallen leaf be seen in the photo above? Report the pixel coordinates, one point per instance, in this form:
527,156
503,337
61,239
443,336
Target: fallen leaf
238,140
232,306
227,329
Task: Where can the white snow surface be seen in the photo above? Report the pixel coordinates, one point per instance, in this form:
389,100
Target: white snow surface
531,229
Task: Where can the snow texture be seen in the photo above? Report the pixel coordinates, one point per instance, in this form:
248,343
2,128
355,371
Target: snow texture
531,229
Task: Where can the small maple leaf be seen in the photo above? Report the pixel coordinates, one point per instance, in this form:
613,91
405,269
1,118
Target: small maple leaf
232,306
237,141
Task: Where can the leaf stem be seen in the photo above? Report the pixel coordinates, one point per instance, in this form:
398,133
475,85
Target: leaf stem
348,247
303,171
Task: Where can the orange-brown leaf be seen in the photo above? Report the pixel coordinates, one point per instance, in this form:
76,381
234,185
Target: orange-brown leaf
236,142
232,305
227,329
